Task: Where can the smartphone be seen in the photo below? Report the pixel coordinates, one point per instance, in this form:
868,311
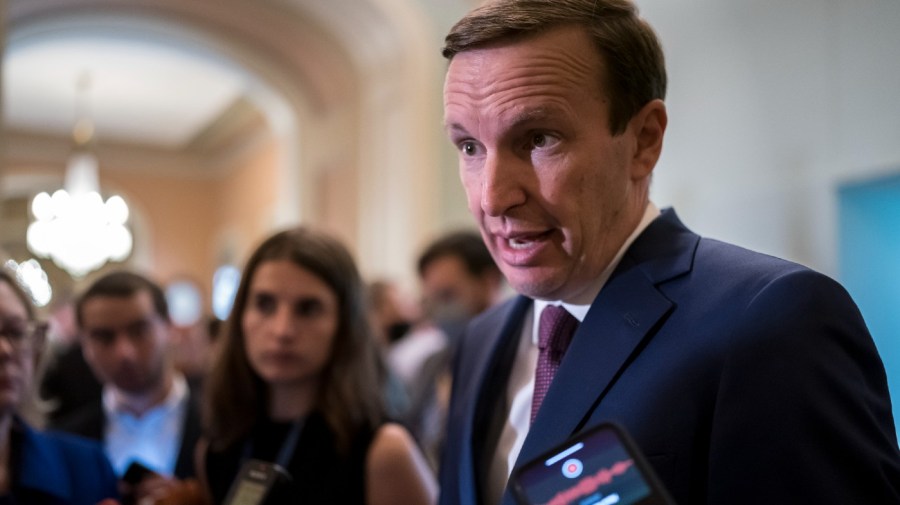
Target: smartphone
600,466
136,472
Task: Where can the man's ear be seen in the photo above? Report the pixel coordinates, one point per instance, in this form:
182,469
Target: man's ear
647,128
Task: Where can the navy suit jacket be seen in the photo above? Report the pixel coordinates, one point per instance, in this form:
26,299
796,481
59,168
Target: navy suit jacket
59,469
743,378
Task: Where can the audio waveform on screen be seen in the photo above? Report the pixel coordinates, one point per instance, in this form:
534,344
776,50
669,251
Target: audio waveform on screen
591,483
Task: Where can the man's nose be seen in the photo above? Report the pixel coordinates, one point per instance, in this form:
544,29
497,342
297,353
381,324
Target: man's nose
125,348
501,183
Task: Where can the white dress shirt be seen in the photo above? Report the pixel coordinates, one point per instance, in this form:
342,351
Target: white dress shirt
153,439
520,387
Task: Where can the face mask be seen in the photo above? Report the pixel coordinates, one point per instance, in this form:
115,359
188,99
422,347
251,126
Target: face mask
451,318
397,330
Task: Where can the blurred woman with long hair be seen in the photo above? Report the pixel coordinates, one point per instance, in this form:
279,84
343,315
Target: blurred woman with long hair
296,385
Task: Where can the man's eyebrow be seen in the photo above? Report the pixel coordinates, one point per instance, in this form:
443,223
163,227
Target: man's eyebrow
522,117
128,324
455,128
534,115
99,332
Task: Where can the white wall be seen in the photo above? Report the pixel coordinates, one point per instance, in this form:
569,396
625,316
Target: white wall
771,105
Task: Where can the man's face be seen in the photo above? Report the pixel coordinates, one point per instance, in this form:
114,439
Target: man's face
554,192
125,341
449,289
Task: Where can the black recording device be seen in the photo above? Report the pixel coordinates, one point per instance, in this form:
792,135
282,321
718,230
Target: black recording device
254,482
257,478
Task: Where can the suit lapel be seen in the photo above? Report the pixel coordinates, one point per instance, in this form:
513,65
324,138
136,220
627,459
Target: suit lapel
484,389
623,317
606,341
190,433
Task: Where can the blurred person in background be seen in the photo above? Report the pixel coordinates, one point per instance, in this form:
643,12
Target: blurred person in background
459,280
148,418
392,315
296,384
39,468
192,348
391,318
66,382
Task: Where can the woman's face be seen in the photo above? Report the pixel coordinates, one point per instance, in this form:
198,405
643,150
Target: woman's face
289,324
16,349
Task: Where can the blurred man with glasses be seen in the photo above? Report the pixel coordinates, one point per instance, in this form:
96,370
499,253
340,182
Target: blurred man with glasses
38,468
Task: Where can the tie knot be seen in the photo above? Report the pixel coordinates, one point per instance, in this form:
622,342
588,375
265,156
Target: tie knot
555,331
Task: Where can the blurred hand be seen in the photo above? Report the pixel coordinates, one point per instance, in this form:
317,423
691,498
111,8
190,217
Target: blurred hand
157,490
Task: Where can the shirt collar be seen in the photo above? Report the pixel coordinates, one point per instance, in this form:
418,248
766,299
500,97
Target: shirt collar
580,311
112,405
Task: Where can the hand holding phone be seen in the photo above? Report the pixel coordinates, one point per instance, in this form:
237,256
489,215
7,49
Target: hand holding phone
601,466
136,472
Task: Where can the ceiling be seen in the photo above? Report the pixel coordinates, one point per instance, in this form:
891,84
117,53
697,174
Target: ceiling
142,102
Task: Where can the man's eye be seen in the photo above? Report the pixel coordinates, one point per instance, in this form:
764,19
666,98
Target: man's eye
140,329
103,337
468,148
542,140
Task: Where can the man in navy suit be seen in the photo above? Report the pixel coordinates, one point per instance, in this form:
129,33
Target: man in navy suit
743,378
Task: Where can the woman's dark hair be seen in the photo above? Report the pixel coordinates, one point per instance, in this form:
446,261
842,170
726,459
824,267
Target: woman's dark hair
350,395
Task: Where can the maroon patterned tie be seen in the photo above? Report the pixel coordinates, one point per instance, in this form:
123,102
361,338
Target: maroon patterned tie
554,333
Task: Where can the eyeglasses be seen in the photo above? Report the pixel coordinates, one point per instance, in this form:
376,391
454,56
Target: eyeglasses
21,334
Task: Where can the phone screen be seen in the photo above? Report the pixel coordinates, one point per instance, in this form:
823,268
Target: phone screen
599,467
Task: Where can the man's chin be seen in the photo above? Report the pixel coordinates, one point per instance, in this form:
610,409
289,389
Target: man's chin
531,283
134,388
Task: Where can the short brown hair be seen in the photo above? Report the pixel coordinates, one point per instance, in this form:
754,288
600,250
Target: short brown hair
465,245
635,66
122,284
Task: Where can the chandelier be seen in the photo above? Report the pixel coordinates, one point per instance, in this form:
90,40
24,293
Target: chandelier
75,227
